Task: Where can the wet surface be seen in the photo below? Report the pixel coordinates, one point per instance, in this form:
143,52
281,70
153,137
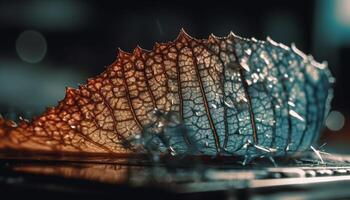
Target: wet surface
70,176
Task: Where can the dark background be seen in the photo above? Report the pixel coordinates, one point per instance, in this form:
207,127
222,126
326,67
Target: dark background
48,45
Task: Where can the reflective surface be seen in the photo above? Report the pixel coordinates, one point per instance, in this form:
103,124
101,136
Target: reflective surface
190,178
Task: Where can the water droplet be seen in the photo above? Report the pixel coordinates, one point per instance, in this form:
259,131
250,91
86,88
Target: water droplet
229,103
244,64
317,152
264,56
261,148
247,144
13,124
160,124
218,98
172,151
87,115
273,150
249,82
214,106
137,137
291,104
273,161
255,77
272,122
246,160
288,146
296,115
248,51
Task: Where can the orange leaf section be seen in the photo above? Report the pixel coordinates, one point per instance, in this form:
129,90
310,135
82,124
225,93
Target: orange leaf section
107,112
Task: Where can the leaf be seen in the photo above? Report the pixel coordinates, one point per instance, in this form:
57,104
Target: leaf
218,95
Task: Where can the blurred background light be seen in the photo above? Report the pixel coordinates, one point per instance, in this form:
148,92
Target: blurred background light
332,23
342,10
283,26
53,15
335,121
31,46
32,87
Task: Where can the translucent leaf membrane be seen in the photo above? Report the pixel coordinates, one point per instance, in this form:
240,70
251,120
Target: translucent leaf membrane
229,95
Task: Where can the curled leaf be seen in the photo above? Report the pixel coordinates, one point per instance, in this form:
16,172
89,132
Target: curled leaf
227,95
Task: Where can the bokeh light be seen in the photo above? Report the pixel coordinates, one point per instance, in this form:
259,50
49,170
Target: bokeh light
342,12
31,46
335,121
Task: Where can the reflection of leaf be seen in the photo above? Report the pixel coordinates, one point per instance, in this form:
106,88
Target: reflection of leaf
102,172
231,95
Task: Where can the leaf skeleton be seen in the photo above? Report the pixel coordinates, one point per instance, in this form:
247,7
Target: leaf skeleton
221,95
